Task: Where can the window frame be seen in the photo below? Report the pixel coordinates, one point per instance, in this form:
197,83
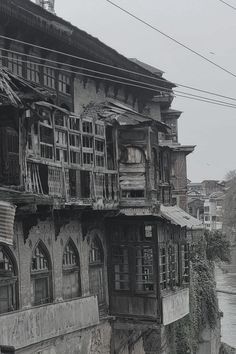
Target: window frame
9,278
68,269
42,273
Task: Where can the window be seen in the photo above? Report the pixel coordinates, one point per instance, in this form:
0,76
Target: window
185,263
64,84
49,77
87,127
206,209
61,155
41,276
71,272
163,268
99,129
74,123
33,72
46,142
99,161
15,64
144,269
75,140
121,268
133,155
8,281
87,158
99,145
96,270
88,142
75,157
133,193
60,119
173,265
132,258
61,137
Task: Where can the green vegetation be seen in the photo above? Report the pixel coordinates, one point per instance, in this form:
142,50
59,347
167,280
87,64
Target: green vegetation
203,299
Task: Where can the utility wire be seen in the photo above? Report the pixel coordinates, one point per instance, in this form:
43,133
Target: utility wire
101,72
227,4
141,85
205,100
109,75
172,39
186,95
112,66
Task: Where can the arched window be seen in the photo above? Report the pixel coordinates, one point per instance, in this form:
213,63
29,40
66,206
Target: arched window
96,270
41,276
71,272
8,281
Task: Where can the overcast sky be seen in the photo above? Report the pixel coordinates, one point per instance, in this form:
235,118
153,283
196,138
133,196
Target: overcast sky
208,26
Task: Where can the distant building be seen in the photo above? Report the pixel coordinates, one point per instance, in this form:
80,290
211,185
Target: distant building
202,200
213,211
196,208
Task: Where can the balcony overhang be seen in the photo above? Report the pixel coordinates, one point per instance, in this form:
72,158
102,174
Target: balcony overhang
175,305
178,216
28,327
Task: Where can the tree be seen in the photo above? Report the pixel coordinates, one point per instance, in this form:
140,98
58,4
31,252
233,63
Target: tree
217,246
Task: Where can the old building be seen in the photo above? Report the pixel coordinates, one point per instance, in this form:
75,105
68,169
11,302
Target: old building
213,211
98,260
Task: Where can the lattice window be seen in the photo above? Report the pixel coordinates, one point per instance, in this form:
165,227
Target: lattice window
163,268
173,265
185,263
121,268
144,269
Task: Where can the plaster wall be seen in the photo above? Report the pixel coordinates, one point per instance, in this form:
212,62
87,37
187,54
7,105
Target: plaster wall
87,91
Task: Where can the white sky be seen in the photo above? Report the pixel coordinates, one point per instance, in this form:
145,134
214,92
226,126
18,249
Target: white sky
208,26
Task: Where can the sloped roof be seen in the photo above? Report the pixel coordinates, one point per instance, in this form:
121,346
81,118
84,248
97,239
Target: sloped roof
148,67
180,217
15,90
74,40
114,111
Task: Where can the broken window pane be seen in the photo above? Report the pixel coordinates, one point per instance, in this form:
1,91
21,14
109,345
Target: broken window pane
144,269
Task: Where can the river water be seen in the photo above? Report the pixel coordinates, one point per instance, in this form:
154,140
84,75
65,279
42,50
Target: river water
227,302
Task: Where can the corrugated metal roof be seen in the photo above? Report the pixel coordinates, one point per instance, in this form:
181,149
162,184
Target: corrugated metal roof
180,217
7,217
111,111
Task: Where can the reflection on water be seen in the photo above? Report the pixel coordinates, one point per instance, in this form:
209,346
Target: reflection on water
227,304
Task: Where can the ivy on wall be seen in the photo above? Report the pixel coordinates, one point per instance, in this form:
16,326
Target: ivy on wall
204,309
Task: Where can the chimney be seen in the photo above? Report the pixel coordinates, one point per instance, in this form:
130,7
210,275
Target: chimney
47,4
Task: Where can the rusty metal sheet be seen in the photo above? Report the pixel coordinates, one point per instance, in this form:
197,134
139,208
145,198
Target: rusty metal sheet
7,217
